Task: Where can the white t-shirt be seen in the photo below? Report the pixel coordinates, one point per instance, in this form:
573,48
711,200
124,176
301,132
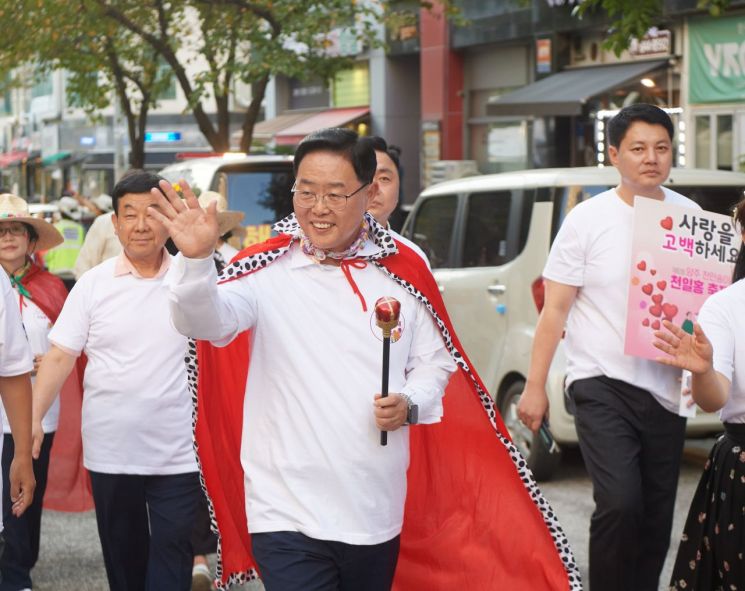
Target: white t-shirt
15,353
592,251
136,405
311,450
723,321
37,326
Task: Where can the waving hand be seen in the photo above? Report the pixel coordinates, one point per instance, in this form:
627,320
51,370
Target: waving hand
194,230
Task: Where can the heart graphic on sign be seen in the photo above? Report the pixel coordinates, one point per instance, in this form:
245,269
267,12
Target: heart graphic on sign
642,265
657,298
653,272
662,285
656,325
667,223
656,310
670,311
647,288
645,322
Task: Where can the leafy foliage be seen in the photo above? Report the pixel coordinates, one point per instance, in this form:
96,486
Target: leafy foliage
631,19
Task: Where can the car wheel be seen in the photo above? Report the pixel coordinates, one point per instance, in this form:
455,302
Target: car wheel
531,446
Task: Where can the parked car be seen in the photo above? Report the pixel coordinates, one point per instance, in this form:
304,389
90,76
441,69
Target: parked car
259,186
488,237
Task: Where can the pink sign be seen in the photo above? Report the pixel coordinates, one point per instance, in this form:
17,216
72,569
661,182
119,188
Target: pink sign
679,257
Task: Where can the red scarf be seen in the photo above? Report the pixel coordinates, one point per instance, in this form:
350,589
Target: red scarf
470,521
68,484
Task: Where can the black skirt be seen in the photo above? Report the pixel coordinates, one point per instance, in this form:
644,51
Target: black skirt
710,555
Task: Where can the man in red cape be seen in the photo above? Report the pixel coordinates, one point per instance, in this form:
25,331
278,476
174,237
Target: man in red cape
473,513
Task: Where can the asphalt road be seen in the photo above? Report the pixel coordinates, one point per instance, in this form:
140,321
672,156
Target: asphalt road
71,555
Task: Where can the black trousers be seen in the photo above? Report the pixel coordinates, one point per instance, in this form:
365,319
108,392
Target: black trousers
291,561
22,533
145,524
632,448
203,540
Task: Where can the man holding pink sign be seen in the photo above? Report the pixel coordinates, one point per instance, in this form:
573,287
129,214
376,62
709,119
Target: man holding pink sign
625,408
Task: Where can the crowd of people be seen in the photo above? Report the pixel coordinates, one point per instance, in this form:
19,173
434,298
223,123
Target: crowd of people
231,402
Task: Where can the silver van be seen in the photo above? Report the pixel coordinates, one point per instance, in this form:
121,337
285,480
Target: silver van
488,237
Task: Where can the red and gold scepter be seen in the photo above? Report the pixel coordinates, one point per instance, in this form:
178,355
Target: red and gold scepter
387,311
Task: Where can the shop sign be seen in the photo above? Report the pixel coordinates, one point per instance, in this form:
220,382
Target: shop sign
543,56
717,50
655,42
162,136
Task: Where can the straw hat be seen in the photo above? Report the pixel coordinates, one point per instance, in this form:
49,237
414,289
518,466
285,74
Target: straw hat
226,218
15,209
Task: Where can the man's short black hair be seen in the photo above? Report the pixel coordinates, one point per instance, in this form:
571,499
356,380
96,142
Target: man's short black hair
620,123
394,152
359,151
134,181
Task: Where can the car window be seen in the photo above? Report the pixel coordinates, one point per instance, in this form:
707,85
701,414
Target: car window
433,228
487,224
264,196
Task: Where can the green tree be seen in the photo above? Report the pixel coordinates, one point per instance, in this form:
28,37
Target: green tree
102,61
211,45
631,19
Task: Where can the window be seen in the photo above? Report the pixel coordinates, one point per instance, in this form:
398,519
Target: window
487,227
165,72
497,225
43,86
351,88
715,141
433,228
703,142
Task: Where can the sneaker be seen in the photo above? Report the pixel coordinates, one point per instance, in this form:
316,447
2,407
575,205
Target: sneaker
201,579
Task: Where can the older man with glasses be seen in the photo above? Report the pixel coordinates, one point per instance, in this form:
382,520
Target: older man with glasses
323,500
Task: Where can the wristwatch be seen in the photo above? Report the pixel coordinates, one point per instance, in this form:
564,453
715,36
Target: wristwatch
412,411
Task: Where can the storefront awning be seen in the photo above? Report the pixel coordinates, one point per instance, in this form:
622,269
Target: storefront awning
266,130
330,118
52,158
12,158
567,92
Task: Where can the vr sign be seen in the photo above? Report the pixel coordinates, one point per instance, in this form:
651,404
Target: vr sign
162,137
717,50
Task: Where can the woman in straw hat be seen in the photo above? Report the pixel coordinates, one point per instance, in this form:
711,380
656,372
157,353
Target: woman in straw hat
40,296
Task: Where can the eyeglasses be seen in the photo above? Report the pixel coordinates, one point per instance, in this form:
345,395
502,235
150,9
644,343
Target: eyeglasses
334,201
14,229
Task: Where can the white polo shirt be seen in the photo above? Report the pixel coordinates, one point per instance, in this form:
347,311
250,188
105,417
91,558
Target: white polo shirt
136,405
37,326
15,353
723,322
311,451
592,251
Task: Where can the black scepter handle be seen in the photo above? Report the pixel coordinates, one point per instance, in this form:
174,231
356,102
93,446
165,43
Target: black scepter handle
387,311
384,385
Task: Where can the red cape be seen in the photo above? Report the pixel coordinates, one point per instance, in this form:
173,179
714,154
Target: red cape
68,484
474,517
